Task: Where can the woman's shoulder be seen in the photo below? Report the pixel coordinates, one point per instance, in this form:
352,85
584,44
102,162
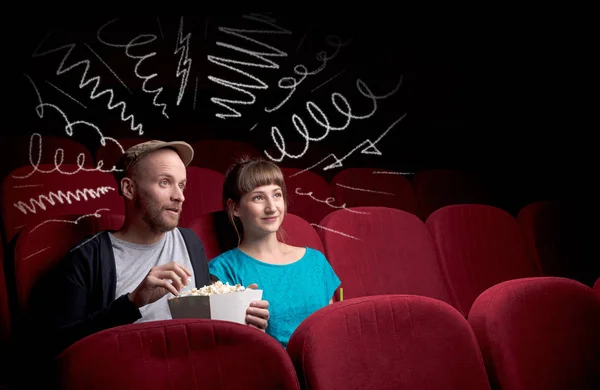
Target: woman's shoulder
306,252
226,257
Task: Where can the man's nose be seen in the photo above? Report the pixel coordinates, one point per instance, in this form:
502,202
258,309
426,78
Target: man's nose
178,195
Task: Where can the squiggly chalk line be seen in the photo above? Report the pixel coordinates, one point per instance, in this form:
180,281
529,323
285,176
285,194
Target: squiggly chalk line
263,56
145,39
84,81
328,202
59,154
61,197
319,116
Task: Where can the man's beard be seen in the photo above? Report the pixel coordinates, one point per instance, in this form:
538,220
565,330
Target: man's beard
154,216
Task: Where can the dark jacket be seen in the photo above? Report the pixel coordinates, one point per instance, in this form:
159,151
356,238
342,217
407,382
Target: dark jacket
78,298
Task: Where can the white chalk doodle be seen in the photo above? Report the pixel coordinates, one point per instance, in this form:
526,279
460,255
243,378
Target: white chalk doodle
319,116
66,94
37,252
370,147
75,222
291,83
36,140
137,41
392,173
364,190
84,81
328,202
33,204
185,63
235,65
335,231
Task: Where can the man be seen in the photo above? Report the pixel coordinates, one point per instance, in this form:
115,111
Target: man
126,276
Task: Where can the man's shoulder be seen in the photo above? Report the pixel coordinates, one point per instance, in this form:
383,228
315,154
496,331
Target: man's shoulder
91,242
189,236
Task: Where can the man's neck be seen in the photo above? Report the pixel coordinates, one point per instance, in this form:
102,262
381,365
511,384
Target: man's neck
138,234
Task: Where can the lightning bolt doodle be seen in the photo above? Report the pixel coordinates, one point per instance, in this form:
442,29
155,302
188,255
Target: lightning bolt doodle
185,63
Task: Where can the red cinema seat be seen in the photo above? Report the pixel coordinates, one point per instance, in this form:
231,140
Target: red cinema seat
203,194
477,247
219,155
177,354
437,188
356,187
539,333
557,237
387,342
309,195
40,248
379,250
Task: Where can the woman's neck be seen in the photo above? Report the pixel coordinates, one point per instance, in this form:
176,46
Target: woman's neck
266,248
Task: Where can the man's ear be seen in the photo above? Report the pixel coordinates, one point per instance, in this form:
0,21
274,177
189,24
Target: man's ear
128,188
233,207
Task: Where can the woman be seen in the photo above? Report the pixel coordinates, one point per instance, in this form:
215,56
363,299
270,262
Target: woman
296,281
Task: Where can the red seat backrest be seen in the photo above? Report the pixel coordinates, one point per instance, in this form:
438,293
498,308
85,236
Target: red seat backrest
374,187
437,188
307,195
219,155
478,246
202,195
539,333
387,342
379,250
39,248
177,354
555,234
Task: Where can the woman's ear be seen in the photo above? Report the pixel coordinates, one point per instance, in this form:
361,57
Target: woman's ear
127,188
233,207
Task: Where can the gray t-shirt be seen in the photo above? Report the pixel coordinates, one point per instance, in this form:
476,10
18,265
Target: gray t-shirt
134,261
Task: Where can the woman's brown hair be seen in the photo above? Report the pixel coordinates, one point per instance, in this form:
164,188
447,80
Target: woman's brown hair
243,177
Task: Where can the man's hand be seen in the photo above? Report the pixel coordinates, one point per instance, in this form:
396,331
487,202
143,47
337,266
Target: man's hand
160,280
257,315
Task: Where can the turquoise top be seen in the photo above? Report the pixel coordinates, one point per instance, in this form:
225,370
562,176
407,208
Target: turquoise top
294,290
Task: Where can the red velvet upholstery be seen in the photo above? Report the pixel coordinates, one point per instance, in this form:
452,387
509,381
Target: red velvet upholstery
40,197
217,234
202,195
478,246
387,342
437,188
39,249
539,333
597,287
369,187
555,234
219,155
307,194
177,354
5,318
379,250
